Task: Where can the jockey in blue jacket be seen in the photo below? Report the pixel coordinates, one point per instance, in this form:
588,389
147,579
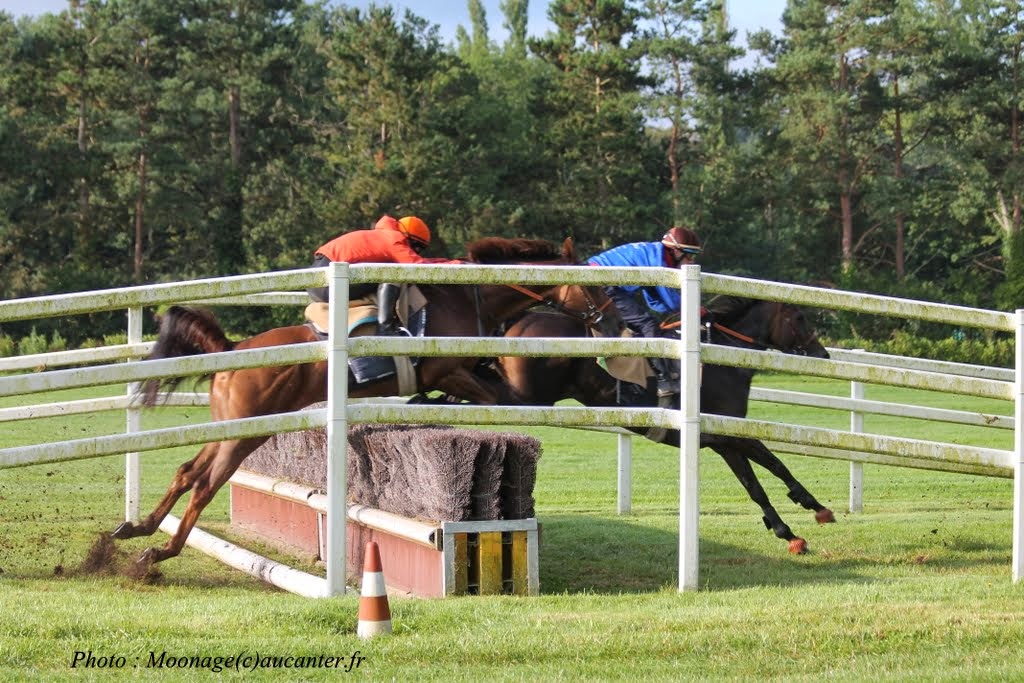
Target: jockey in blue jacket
678,247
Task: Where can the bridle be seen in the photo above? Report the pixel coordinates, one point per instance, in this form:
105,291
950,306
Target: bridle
591,316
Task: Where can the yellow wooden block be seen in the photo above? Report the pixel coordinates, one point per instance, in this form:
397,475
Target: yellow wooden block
519,563
461,564
489,556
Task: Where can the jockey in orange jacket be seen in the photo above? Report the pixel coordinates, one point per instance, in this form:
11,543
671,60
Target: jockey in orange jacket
390,241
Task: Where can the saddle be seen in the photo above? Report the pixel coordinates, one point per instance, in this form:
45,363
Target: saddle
362,321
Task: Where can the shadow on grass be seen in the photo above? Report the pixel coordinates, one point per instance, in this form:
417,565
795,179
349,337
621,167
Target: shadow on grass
581,554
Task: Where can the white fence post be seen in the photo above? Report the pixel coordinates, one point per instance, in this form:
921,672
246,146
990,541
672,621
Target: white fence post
1018,448
856,468
689,432
337,428
132,474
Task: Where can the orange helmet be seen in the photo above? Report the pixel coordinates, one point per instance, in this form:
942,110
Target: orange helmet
416,230
682,240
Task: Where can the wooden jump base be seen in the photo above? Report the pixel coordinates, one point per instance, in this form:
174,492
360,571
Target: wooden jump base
420,558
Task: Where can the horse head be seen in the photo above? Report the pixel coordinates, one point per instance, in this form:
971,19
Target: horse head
591,305
792,333
769,324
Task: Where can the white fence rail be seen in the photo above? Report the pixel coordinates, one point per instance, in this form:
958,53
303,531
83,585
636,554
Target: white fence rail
861,405
856,367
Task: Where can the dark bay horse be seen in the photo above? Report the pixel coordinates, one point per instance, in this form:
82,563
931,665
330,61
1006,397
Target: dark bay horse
454,310
724,390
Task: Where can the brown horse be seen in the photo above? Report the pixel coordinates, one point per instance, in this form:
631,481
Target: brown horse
454,310
724,390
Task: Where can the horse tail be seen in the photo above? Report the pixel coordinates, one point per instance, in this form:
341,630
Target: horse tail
183,332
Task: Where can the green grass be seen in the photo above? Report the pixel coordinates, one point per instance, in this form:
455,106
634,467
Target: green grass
916,588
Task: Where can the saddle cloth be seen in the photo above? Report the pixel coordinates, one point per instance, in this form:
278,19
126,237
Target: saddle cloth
360,312
364,311
362,320
632,369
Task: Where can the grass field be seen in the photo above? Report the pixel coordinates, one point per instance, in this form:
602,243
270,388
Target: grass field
916,588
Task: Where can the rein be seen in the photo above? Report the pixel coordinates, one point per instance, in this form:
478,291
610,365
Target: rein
723,329
799,347
736,335
479,317
590,317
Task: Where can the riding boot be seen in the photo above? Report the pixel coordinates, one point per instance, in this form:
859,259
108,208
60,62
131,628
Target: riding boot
667,395
663,376
387,316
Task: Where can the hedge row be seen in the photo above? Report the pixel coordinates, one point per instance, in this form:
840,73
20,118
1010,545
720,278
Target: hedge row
992,352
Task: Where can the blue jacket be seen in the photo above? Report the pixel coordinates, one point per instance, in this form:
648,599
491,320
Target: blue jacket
642,254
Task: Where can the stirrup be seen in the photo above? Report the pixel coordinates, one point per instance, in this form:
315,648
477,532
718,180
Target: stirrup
666,388
392,330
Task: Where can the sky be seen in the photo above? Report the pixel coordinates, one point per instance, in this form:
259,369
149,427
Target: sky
744,15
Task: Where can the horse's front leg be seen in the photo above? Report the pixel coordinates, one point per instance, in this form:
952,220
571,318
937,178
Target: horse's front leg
760,454
222,464
469,387
183,480
740,466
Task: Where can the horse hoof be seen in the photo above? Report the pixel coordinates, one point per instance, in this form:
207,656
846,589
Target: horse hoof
824,516
798,546
147,557
124,530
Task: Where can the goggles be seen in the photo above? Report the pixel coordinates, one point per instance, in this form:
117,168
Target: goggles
685,254
680,249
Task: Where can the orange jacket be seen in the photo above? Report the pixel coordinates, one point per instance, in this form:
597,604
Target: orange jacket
374,246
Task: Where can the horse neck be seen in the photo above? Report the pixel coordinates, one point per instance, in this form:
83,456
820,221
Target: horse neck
757,323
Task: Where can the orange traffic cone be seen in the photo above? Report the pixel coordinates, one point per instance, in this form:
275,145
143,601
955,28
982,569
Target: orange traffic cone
374,613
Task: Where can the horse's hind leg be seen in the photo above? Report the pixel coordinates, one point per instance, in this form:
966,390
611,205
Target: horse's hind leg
760,454
183,480
228,456
740,466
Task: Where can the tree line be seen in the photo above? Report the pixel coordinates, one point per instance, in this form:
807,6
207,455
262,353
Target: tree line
872,145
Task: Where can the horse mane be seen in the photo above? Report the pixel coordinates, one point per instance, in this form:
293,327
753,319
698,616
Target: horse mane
496,250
